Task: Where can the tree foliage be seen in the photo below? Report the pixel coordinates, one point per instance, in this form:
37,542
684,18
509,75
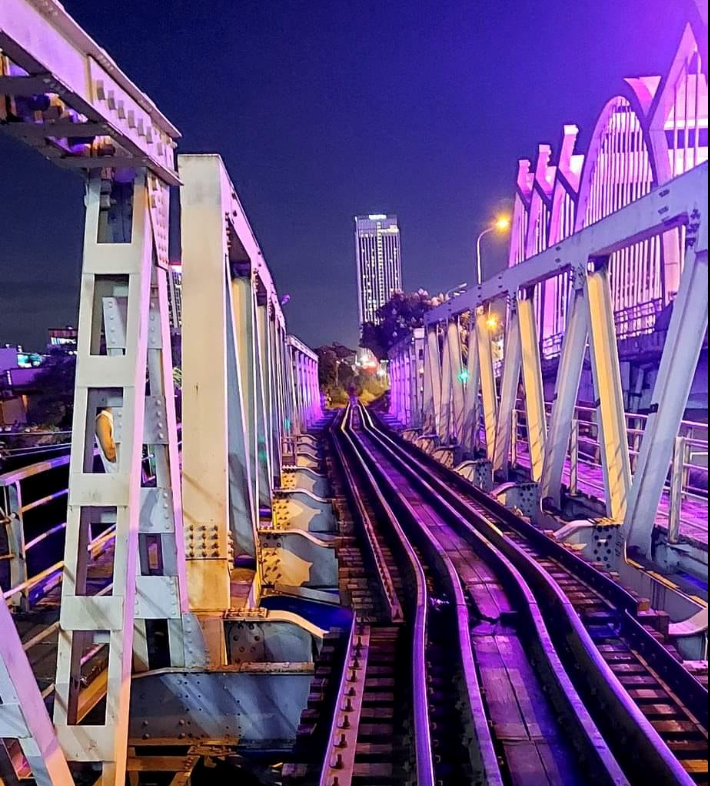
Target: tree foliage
399,316
53,404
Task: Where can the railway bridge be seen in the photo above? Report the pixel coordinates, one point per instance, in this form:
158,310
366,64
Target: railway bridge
430,595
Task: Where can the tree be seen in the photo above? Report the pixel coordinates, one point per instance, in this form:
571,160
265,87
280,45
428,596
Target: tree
327,367
53,404
397,318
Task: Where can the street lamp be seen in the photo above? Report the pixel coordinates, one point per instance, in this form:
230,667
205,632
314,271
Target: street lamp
501,224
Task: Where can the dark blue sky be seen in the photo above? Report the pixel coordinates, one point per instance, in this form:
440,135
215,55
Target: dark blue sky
327,108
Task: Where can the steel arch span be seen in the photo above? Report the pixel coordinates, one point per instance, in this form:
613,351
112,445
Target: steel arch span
652,131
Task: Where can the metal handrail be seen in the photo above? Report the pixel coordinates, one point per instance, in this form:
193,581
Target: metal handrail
12,517
681,484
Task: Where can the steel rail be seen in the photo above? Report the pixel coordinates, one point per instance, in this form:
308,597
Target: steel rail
345,715
395,611
599,762
463,494
417,614
483,756
612,698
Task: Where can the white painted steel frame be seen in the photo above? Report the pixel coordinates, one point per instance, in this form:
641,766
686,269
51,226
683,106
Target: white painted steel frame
532,384
42,38
569,375
217,472
124,286
686,336
510,382
254,388
23,716
679,203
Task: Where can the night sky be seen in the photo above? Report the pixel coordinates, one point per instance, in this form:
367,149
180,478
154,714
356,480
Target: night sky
324,109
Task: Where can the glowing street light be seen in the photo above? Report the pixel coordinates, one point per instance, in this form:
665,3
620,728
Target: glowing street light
501,224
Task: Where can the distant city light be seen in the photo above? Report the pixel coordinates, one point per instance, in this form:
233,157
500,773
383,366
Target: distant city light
377,217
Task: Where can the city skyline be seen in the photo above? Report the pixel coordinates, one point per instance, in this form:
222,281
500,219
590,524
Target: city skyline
378,253
321,139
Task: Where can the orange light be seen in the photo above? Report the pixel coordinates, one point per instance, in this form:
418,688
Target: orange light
502,223
492,323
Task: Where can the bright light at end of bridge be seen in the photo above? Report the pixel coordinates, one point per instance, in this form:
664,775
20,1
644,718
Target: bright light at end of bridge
492,323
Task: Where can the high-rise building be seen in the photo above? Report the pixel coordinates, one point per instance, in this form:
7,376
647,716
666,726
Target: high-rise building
378,248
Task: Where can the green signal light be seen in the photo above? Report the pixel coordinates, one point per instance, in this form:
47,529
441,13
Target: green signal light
463,376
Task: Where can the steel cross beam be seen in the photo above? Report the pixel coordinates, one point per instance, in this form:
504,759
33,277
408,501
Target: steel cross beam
665,208
93,116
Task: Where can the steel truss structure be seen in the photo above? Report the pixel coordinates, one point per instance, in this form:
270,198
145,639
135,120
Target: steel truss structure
247,388
245,398
456,400
655,129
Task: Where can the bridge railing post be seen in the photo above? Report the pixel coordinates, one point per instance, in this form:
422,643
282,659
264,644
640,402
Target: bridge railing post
16,554
574,459
680,455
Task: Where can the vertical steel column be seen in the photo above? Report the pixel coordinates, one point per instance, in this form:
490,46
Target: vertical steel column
509,391
402,394
263,426
444,419
453,340
162,590
419,376
243,504
216,458
394,388
569,375
265,365
276,398
408,387
243,298
488,381
532,381
471,419
121,268
684,343
432,381
607,379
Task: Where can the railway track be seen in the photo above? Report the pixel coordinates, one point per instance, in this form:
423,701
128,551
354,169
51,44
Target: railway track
488,700
650,709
